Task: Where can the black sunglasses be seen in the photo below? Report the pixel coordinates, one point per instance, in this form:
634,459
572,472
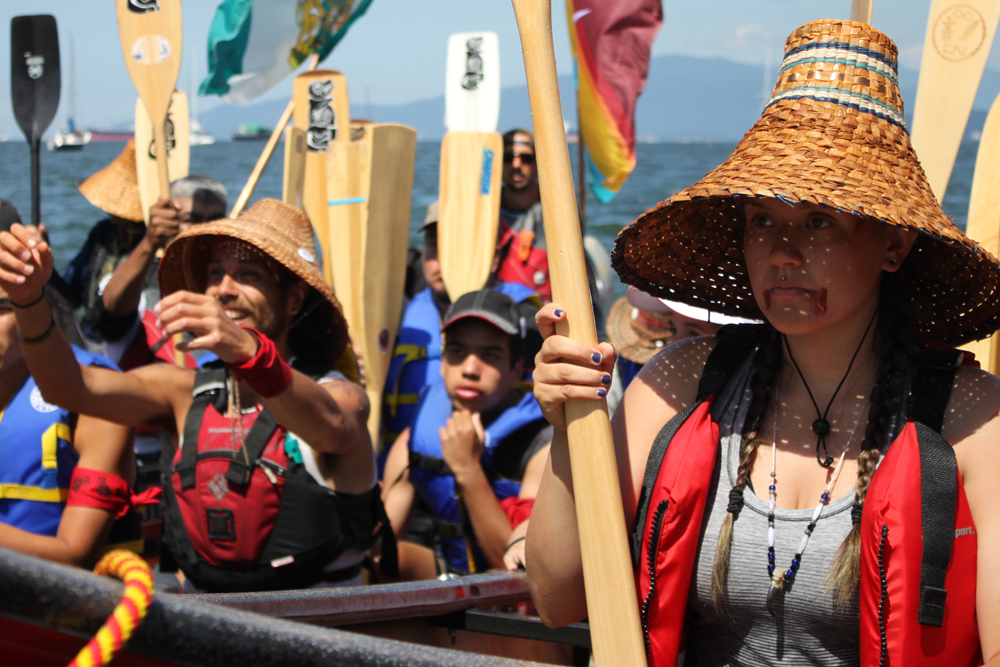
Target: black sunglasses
526,158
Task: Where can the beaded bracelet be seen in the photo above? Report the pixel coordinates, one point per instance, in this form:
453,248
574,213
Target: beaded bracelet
37,339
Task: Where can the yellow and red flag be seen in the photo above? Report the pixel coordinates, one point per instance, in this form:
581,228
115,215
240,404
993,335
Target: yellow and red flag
611,45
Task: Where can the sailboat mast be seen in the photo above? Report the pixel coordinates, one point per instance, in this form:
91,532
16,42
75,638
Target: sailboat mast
72,84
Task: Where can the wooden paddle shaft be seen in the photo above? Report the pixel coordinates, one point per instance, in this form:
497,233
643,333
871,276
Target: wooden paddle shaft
611,598
861,10
268,151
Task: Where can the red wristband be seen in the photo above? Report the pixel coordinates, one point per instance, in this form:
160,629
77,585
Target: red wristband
266,372
106,491
518,510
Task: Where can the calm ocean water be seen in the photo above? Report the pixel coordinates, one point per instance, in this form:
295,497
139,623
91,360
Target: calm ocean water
662,170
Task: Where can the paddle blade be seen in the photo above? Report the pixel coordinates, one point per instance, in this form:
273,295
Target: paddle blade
348,171
957,44
295,167
34,72
472,82
386,240
150,32
323,112
176,132
984,218
471,163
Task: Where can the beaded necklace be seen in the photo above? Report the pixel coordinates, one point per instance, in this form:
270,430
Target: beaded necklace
778,576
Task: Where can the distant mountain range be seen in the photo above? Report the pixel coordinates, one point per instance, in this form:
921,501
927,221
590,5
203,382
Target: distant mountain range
686,99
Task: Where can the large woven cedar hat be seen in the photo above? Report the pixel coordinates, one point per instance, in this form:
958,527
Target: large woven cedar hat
115,189
638,335
833,135
280,231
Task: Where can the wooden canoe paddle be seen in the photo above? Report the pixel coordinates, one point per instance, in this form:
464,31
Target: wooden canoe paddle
615,630
370,183
176,133
984,219
323,112
150,33
34,87
958,40
471,163
294,175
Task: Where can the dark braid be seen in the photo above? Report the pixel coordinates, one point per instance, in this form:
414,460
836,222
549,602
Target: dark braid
760,384
894,347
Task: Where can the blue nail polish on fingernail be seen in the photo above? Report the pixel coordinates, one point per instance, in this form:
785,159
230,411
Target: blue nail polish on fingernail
606,379
559,312
602,392
596,357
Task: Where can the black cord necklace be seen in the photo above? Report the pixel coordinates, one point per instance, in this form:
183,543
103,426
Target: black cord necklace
821,427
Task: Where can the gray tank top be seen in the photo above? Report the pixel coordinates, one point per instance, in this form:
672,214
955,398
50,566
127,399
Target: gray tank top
807,628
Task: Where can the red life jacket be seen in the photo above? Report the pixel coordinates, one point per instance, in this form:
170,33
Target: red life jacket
918,542
234,527
522,262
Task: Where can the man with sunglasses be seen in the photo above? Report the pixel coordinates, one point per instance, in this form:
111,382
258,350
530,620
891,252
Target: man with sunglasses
521,255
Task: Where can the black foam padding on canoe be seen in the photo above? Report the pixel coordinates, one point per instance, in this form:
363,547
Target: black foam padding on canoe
193,632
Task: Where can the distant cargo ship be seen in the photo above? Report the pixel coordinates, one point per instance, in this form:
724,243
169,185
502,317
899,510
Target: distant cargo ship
252,133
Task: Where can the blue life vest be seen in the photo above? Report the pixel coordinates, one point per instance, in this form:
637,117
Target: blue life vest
36,448
433,481
416,359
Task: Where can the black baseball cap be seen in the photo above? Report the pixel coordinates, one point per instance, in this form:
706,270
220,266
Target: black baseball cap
490,305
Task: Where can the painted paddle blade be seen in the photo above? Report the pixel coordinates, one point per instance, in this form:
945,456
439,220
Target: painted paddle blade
615,628
34,73
984,219
471,165
295,167
34,87
472,82
386,240
348,172
176,134
959,36
150,32
323,112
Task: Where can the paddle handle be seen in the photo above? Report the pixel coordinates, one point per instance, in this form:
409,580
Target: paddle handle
607,568
268,151
36,181
861,10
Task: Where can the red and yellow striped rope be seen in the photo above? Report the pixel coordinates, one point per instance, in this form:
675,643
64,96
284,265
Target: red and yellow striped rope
127,616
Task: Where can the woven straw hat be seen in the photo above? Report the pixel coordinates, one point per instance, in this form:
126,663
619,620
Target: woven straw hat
282,232
115,189
832,134
636,334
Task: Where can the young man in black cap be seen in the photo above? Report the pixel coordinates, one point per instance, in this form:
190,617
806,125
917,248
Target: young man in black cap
477,446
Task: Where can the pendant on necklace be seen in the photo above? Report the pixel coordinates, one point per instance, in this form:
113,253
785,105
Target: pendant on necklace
777,586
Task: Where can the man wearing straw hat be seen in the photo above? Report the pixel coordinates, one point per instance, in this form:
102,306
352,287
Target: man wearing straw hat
115,190
268,430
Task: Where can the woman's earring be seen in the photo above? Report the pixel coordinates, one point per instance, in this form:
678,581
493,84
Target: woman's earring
893,262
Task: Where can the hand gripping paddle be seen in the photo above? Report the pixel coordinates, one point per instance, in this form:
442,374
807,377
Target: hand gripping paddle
471,163
34,87
607,568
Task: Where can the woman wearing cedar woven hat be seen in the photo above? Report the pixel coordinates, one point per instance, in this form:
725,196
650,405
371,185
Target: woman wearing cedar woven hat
822,224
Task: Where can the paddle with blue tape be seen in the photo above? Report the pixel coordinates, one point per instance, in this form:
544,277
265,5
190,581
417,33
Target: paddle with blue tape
471,163
34,87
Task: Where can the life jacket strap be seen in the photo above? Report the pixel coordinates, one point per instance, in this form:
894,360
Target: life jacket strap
429,463
36,493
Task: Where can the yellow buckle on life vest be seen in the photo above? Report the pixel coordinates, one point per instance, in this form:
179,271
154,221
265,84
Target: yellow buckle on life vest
36,493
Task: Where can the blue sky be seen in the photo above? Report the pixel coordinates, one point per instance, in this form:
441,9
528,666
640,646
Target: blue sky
396,53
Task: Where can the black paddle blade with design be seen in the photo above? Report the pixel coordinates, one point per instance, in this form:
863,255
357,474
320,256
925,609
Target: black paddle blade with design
34,72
